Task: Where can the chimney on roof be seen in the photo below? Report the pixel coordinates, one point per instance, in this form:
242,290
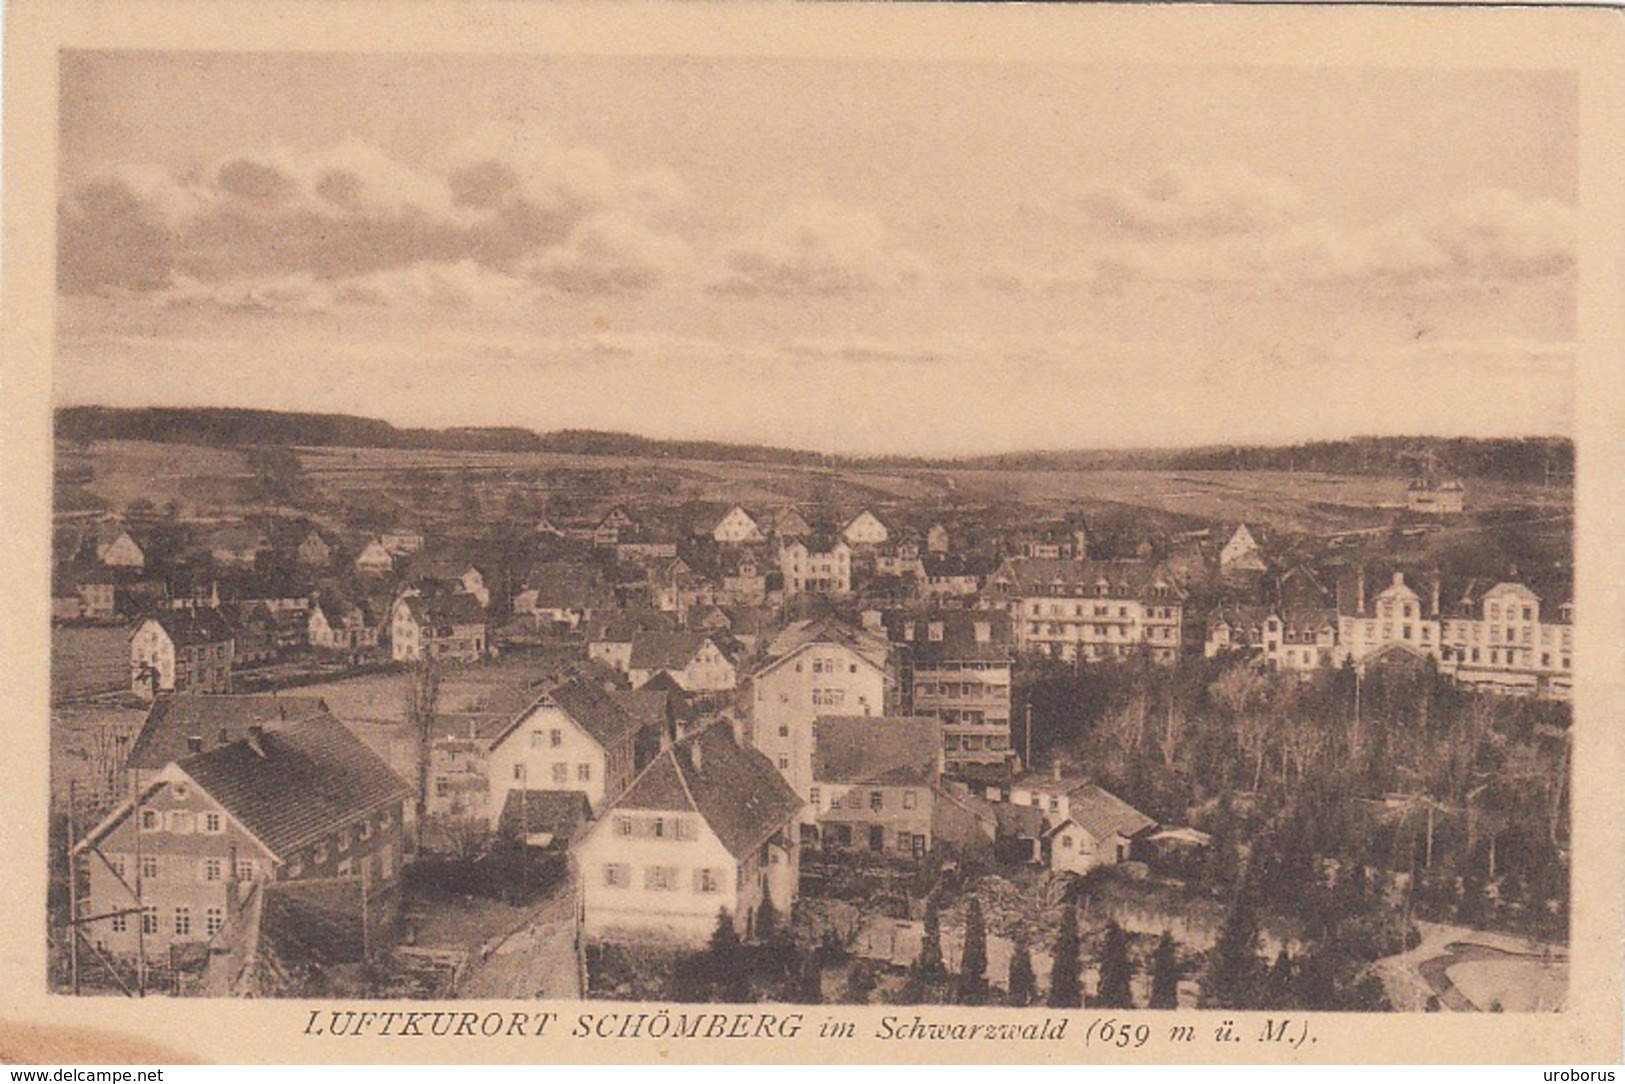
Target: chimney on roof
194,743
695,756
1359,590
1399,579
256,736
1055,770
1435,596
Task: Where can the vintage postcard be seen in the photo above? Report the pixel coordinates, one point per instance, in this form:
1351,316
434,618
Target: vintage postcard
564,534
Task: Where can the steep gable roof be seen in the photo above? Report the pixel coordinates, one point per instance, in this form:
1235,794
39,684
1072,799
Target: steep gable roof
452,609
1103,814
176,718
735,789
291,785
200,625
587,705
867,749
666,650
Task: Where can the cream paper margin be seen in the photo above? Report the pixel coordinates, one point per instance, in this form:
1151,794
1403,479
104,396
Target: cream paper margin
37,1026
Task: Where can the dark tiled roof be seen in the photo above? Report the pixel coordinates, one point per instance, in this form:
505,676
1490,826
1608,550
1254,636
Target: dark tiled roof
958,634
742,797
1123,579
563,813
869,749
177,717
588,706
1102,814
188,627
454,609
649,707
665,650
297,782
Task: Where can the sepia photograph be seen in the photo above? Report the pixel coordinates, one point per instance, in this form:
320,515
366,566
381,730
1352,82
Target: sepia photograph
922,533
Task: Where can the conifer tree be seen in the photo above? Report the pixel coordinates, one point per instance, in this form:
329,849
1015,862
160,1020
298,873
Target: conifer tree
1165,974
973,960
1233,966
1116,971
1022,984
1066,975
929,966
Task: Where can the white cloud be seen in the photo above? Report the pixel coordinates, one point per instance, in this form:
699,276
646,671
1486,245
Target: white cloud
819,249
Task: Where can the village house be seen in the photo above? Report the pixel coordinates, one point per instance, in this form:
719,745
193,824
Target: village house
448,627
254,633
705,829
571,737
814,669
1242,553
736,528
563,593
446,575
313,551
936,539
1080,825
615,524
97,591
744,581
179,725
1430,498
1071,609
789,524
337,625
956,669
1396,617
1302,643
674,587
116,547
693,660
816,571
900,559
609,640
1054,542
237,547
401,541
874,783
865,529
181,651
952,578
305,801
374,559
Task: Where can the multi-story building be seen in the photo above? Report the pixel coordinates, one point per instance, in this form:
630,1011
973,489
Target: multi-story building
303,801
865,529
1499,640
437,627
572,737
181,651
1493,638
706,828
1430,498
816,571
875,783
1070,609
813,669
955,667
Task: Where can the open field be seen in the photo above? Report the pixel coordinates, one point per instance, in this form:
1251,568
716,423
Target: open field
211,481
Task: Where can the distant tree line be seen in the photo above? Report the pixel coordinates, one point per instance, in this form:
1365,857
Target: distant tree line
1534,459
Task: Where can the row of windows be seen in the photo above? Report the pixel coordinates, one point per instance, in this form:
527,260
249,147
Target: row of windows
965,688
664,878
214,920
155,867
855,799
558,771
975,743
658,826
181,822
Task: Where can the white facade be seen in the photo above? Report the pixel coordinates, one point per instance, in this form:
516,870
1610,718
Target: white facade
374,558
816,573
1241,553
707,671
737,527
865,530
122,552
549,751
789,694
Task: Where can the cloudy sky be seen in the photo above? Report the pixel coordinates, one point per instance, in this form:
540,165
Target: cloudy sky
863,256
